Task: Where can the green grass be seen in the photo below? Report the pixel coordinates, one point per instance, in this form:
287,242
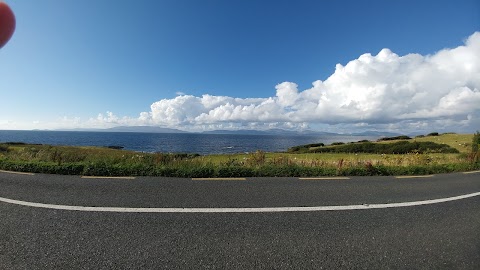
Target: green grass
447,143
113,162
461,142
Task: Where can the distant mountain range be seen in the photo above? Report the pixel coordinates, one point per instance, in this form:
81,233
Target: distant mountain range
300,133
139,129
278,132
282,132
376,133
145,129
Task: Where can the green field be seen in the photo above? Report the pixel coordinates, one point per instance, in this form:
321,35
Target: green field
461,142
111,162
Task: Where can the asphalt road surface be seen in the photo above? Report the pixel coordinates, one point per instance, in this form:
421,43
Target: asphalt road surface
102,230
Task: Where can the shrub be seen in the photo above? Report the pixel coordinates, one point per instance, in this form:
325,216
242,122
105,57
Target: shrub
100,168
15,143
236,171
194,172
315,145
475,155
304,148
42,167
170,158
116,147
165,171
402,137
257,158
337,143
476,142
433,134
279,171
402,147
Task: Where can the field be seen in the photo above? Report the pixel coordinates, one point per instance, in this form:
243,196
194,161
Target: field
113,162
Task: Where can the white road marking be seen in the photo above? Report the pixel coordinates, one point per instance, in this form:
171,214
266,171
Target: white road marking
471,172
324,178
414,176
220,179
23,173
235,210
108,177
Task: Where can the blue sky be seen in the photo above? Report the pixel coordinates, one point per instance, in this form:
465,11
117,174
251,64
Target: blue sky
204,64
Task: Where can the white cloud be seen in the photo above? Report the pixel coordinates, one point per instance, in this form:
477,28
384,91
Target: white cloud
388,90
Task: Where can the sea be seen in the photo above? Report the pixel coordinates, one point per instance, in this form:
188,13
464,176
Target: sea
203,144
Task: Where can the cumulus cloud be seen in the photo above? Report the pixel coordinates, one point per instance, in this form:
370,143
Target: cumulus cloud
384,90
372,89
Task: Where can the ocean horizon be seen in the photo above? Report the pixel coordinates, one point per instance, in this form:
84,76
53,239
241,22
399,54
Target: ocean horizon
204,144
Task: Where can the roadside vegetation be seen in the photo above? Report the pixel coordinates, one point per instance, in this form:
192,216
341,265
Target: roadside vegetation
402,155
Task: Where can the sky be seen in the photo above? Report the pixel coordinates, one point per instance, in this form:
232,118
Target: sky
342,66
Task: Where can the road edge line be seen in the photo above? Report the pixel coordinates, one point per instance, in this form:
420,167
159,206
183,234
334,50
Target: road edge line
236,210
13,172
324,178
414,176
220,179
107,177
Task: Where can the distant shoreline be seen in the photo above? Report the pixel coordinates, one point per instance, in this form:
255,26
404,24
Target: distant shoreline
175,142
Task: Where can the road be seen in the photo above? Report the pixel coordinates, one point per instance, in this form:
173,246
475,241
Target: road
437,235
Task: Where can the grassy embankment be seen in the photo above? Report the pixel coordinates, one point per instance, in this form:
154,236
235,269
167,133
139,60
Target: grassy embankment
421,155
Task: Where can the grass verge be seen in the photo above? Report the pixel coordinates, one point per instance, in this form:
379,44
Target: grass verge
114,162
